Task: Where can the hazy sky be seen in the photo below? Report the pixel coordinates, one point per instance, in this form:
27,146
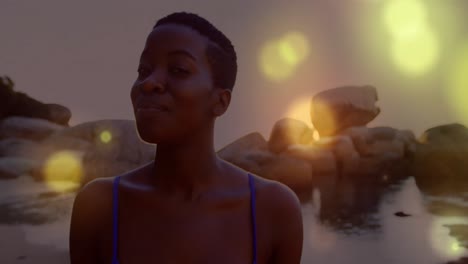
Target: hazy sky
83,54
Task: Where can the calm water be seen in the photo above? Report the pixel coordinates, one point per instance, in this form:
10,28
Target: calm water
420,238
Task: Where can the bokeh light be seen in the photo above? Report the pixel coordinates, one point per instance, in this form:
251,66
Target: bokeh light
445,245
293,48
415,48
458,85
105,136
300,110
405,18
316,135
63,170
417,55
279,58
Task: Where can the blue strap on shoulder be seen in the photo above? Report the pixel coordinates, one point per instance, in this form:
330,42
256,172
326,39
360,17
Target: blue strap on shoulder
115,219
254,225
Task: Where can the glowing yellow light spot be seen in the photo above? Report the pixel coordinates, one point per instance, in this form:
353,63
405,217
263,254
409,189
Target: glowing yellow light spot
273,65
416,55
458,86
444,244
279,58
105,136
316,135
63,170
456,247
300,110
405,18
293,48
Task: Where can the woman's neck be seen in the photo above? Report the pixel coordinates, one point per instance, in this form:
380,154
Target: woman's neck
186,170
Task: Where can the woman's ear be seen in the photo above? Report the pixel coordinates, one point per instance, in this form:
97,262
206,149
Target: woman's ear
222,99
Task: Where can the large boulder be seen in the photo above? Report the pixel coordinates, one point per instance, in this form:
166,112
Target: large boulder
322,160
17,147
289,131
58,114
345,153
28,128
382,140
337,109
13,103
440,163
239,148
295,173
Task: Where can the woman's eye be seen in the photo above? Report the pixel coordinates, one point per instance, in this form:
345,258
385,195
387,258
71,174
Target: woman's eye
178,70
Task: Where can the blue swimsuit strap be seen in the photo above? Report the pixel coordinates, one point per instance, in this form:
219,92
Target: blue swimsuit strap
115,217
254,225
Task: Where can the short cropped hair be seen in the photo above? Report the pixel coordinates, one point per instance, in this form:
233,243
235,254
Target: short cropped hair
220,52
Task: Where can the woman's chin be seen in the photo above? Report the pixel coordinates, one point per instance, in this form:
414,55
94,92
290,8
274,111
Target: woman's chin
151,137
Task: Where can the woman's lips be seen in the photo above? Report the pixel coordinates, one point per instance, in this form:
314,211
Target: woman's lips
151,108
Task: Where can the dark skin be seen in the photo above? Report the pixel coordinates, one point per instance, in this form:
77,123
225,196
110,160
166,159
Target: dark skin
188,205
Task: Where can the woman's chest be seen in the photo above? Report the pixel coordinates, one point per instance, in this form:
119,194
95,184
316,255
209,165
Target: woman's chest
155,234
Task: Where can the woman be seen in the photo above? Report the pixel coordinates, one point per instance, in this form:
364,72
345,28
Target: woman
188,205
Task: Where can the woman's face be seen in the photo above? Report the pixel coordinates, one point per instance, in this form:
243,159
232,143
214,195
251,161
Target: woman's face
171,96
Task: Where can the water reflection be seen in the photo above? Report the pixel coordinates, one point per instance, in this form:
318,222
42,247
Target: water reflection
419,238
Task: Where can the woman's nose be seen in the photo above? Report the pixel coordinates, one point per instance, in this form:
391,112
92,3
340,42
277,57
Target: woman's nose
153,83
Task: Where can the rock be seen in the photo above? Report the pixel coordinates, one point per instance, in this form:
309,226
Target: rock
58,114
346,155
445,134
288,131
441,162
11,168
383,133
295,173
378,165
239,148
460,261
115,147
360,136
322,160
27,128
395,148
409,140
59,141
401,214
249,154
17,147
337,109
371,141
13,103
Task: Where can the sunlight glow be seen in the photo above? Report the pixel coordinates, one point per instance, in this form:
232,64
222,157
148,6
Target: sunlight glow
316,135
293,48
458,85
63,170
415,47
300,110
279,58
405,18
416,55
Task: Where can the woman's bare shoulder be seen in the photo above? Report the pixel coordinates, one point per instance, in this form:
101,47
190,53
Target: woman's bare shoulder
281,212
275,196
